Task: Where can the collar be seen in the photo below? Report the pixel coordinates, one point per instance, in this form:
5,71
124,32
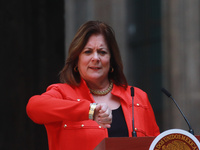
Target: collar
123,94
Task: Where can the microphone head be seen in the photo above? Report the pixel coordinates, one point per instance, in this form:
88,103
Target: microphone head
132,91
166,92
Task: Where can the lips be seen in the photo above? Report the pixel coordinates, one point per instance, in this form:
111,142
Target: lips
95,67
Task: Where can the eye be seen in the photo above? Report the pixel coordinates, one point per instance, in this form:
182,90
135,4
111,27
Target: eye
102,52
87,51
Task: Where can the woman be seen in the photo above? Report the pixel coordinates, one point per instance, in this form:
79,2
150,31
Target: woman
93,101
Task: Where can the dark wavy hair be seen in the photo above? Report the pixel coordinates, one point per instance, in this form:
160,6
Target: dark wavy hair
70,76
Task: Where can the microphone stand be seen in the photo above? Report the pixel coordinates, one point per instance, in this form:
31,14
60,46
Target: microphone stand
134,134
170,96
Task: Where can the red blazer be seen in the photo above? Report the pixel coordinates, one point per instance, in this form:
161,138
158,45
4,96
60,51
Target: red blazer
64,112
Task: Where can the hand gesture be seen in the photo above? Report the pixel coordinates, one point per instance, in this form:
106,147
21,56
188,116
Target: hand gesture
103,115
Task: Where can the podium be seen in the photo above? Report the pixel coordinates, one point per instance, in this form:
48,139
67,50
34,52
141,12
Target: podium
127,143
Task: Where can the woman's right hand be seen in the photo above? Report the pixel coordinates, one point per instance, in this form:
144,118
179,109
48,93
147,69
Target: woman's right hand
103,115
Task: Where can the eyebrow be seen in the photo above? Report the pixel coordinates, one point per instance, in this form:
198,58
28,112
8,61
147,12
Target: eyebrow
98,48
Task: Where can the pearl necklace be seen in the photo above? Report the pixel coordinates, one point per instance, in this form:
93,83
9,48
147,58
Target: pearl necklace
102,93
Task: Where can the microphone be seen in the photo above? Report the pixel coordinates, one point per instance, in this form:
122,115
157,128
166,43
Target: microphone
134,134
170,96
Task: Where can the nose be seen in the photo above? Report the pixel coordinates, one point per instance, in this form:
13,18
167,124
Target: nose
95,56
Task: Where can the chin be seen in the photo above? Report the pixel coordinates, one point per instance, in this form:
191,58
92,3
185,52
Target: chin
98,78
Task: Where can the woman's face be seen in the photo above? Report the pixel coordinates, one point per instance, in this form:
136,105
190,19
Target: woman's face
94,60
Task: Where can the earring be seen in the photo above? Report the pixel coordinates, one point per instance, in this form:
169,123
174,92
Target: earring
76,69
112,69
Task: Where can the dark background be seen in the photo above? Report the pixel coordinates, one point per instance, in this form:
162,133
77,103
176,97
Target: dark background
32,54
145,50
